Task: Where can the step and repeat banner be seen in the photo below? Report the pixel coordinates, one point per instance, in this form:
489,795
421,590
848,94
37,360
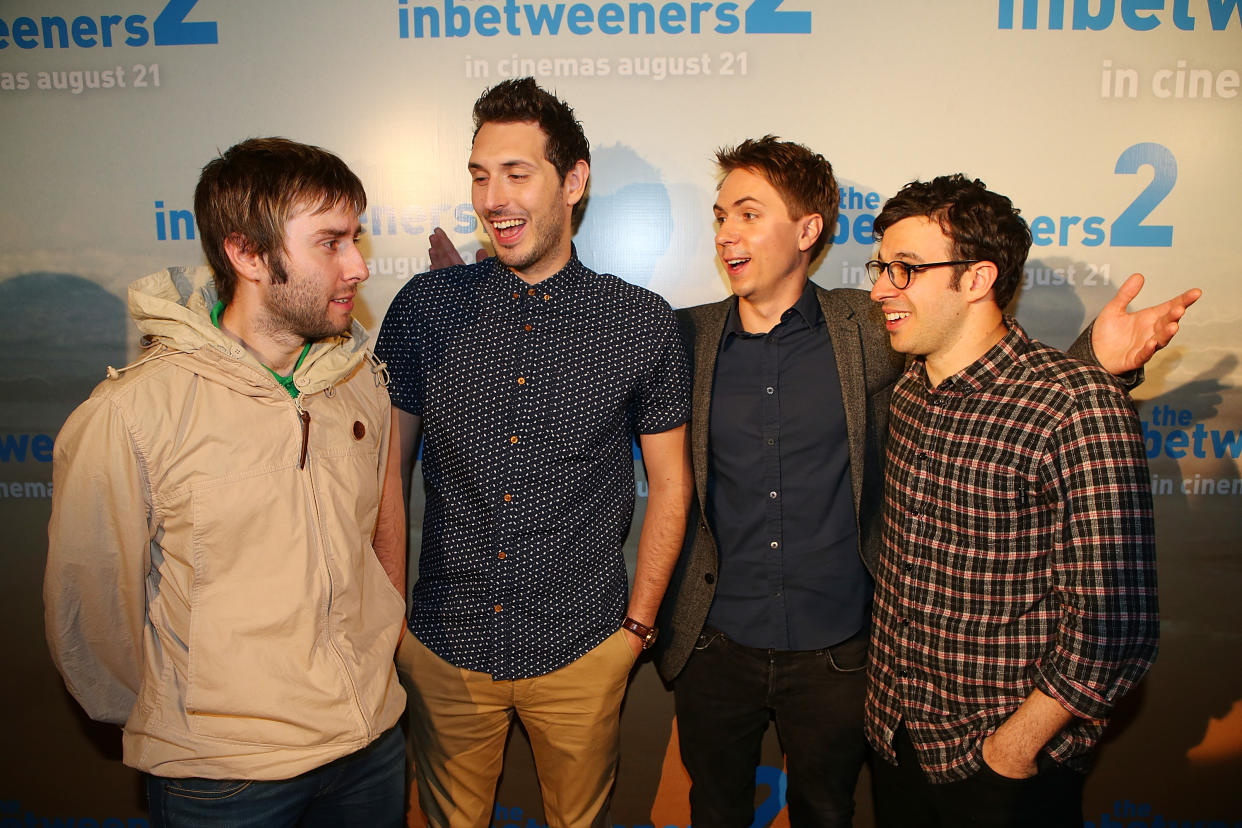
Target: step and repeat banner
1113,124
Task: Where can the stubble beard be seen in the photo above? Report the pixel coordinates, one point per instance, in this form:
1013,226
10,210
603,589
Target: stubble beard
294,306
543,244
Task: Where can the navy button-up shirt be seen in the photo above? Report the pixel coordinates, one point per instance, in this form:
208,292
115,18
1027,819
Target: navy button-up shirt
530,398
779,495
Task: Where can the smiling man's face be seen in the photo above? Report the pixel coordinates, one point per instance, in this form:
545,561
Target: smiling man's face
523,203
760,245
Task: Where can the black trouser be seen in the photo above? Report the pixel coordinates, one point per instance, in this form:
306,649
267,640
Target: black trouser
904,798
725,697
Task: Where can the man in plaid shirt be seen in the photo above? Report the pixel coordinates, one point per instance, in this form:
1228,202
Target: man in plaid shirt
1015,597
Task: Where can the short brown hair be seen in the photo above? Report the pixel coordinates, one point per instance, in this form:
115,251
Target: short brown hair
253,188
802,177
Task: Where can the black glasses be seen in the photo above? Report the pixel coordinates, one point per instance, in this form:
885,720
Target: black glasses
899,273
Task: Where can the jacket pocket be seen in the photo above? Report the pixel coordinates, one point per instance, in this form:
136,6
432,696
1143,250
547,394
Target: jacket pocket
261,663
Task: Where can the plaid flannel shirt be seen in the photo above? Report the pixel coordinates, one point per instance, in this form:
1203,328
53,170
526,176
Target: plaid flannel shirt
1019,553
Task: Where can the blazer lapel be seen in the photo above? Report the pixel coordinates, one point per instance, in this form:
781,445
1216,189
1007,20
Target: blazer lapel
709,323
846,336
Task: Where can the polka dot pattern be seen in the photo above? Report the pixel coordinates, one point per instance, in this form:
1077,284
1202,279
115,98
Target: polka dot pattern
530,398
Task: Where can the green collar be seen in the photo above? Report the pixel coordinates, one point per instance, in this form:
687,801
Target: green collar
285,382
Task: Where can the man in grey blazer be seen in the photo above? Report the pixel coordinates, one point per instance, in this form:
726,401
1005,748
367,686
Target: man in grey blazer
767,615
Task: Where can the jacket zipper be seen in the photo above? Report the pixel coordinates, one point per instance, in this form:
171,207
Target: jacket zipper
305,418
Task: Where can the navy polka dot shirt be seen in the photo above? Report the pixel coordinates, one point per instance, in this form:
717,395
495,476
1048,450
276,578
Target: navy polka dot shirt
530,397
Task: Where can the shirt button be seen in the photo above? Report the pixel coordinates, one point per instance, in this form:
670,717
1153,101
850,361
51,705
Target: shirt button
546,297
521,380
497,608
513,439
530,291
774,544
517,296
508,497
771,442
501,555
909,567
772,495
709,578
528,326
770,390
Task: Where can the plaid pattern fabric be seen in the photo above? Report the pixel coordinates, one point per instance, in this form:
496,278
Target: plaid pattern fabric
1018,553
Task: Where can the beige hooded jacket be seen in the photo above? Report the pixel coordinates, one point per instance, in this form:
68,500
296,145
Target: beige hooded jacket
211,583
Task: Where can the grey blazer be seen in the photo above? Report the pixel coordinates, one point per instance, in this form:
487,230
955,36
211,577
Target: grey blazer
868,368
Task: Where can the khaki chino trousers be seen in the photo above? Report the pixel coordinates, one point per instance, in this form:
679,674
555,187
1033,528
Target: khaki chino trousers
459,720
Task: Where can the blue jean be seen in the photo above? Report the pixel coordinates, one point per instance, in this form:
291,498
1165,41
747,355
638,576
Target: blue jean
363,788
725,697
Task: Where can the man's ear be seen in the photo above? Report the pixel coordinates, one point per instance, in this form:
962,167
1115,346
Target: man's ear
575,182
811,227
978,280
248,263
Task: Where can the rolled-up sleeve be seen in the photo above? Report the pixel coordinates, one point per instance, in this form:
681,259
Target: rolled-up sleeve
1104,564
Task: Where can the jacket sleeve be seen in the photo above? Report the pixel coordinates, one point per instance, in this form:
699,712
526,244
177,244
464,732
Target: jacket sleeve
94,587
1083,351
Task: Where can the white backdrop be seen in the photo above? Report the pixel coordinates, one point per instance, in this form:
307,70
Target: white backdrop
1113,125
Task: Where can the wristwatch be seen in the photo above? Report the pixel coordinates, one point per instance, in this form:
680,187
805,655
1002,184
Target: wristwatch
645,634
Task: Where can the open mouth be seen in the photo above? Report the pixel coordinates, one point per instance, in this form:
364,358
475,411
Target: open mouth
734,264
508,229
893,318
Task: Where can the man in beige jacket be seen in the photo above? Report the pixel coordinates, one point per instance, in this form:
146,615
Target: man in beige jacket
226,551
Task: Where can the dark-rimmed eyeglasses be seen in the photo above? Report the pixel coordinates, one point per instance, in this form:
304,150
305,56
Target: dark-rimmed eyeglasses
899,273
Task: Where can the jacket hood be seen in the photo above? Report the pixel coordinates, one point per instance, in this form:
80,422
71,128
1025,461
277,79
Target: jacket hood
172,308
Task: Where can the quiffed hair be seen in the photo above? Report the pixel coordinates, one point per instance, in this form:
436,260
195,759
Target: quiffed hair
253,188
981,224
802,177
522,101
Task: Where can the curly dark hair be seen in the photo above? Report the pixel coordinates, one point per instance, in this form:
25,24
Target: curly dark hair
981,224
802,177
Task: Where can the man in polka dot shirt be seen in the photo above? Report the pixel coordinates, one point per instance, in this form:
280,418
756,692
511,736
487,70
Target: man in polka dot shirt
526,378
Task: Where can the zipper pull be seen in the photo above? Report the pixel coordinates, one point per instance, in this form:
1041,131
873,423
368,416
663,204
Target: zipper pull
304,416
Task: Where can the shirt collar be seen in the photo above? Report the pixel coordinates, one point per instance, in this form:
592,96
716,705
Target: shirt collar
564,279
806,307
286,383
988,368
